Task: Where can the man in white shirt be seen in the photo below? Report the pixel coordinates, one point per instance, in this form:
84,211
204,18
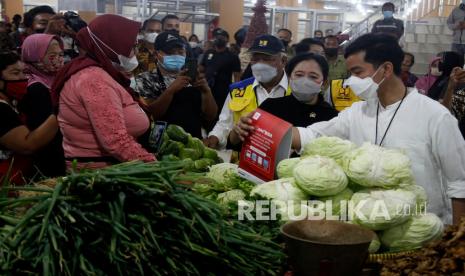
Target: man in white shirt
270,81
393,116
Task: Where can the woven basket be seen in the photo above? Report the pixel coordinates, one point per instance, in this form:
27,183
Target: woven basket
377,258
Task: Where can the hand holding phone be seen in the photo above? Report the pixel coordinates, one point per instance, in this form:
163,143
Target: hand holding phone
191,66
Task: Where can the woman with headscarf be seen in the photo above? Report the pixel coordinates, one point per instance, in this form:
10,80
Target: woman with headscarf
424,83
99,118
449,60
43,56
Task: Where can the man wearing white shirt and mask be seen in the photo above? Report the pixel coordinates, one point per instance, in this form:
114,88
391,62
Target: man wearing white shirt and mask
393,116
270,81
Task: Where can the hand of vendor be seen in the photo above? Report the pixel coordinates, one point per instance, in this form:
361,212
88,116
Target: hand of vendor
211,142
241,130
457,76
179,83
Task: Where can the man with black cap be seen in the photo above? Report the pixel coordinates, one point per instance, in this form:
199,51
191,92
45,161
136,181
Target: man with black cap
172,96
220,65
270,81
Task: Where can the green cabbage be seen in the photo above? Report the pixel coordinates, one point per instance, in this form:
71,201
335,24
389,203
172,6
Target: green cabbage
218,172
374,166
381,209
374,245
332,147
413,234
335,200
286,167
320,176
283,189
231,196
420,193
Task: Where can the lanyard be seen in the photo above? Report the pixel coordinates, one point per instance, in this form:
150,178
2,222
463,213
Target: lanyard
389,125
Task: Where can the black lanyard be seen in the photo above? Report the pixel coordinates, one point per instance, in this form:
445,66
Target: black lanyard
389,125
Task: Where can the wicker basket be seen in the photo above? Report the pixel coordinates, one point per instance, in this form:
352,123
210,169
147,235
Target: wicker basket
377,258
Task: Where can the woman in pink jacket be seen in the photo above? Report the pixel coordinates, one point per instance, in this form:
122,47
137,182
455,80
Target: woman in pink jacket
99,118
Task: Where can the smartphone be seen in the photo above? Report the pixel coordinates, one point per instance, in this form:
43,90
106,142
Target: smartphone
156,135
191,65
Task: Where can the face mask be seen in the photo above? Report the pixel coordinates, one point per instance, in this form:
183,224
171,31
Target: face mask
305,89
366,89
133,84
150,37
435,71
387,14
174,63
331,52
140,36
15,89
263,72
193,44
126,64
285,42
51,66
21,30
39,31
220,43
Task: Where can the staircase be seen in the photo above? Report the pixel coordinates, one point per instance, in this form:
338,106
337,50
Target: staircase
426,38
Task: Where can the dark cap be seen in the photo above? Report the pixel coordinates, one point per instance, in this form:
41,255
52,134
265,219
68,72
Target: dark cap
168,40
267,44
219,31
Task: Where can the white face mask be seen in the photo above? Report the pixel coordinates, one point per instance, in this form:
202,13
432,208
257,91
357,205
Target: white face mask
126,64
305,89
435,72
263,72
133,84
193,44
366,89
150,37
21,30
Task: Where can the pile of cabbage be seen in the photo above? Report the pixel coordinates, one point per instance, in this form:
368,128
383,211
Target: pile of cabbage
368,185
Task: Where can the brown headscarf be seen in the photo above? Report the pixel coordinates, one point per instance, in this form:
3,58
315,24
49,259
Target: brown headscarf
117,33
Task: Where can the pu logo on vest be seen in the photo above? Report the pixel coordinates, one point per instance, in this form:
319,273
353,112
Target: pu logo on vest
239,92
263,43
343,93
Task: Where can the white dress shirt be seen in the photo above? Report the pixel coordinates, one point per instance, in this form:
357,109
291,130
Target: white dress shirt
423,128
226,119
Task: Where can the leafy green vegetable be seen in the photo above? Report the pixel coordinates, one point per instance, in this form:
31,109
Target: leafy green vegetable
203,164
373,166
189,153
374,245
218,172
285,168
231,196
176,133
171,147
283,189
320,176
210,153
414,233
335,200
383,209
197,144
332,147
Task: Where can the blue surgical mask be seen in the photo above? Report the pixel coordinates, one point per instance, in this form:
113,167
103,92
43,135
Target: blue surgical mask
174,62
388,14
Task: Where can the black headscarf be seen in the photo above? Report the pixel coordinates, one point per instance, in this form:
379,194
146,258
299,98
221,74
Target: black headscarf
449,60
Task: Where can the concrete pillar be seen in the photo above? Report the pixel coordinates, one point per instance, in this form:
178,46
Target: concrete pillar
231,15
13,7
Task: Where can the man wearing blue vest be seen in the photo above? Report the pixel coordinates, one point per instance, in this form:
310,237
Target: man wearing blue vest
270,81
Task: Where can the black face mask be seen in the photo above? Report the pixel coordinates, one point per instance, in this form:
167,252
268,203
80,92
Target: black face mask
172,31
331,52
39,31
220,43
285,42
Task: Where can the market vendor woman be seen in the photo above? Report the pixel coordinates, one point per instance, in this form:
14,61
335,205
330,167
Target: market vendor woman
393,116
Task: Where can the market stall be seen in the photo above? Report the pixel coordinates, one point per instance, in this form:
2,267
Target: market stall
192,214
